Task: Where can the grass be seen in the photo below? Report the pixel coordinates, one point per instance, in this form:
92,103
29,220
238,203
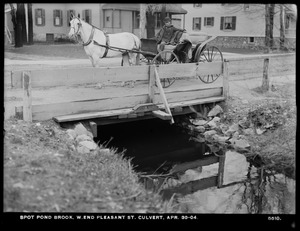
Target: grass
43,174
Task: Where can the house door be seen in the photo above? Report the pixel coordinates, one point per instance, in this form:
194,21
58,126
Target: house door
126,21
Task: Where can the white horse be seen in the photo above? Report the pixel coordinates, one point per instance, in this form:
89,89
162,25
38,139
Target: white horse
98,44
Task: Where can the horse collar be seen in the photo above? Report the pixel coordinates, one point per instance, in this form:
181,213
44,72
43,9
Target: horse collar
90,38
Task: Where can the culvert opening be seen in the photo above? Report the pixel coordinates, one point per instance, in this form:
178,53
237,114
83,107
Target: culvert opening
153,145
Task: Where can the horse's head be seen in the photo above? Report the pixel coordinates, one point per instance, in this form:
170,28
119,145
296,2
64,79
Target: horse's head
75,25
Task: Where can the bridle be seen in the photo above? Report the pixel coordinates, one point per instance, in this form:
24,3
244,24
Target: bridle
76,33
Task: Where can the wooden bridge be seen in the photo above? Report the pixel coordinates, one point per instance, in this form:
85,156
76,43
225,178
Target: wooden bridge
118,94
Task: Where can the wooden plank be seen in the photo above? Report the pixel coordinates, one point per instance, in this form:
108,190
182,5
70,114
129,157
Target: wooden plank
190,187
225,80
162,115
124,112
27,97
184,85
255,57
145,107
83,75
189,69
162,94
206,160
179,96
48,111
151,87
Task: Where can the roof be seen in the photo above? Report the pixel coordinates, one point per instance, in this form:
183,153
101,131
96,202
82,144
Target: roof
171,8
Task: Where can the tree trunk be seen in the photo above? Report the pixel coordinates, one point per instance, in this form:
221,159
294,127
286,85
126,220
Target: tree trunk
23,23
18,32
272,12
267,32
30,24
143,20
282,29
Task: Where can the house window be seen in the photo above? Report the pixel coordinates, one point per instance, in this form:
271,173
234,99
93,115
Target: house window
196,24
208,21
69,15
197,5
57,18
289,21
87,16
39,17
251,40
136,19
228,23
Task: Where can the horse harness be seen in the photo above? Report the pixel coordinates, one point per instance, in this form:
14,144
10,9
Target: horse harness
91,40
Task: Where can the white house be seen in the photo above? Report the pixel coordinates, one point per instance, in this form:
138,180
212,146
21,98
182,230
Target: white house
238,25
51,20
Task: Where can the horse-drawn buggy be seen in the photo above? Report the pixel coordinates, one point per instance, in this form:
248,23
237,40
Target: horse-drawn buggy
190,49
193,48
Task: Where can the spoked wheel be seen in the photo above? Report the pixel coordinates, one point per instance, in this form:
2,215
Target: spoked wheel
162,58
208,54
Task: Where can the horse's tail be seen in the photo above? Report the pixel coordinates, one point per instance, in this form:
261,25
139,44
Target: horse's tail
137,46
137,42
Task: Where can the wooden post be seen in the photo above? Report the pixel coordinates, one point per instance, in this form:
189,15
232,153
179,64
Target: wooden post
265,82
151,84
27,97
221,168
225,79
162,94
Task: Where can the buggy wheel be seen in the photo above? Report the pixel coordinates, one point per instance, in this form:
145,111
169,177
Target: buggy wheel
162,58
208,54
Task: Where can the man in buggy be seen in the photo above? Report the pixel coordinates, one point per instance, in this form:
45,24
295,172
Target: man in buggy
170,35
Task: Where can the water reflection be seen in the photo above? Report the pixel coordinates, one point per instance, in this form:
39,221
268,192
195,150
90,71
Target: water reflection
247,189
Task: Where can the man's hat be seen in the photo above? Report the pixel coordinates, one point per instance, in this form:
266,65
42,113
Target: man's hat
167,19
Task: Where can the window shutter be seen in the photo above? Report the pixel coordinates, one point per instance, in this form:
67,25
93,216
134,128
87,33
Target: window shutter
193,23
222,22
233,22
61,18
36,12
90,16
43,17
200,23
54,14
205,21
212,21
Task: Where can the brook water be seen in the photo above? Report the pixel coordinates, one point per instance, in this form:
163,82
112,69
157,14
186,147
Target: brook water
155,146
